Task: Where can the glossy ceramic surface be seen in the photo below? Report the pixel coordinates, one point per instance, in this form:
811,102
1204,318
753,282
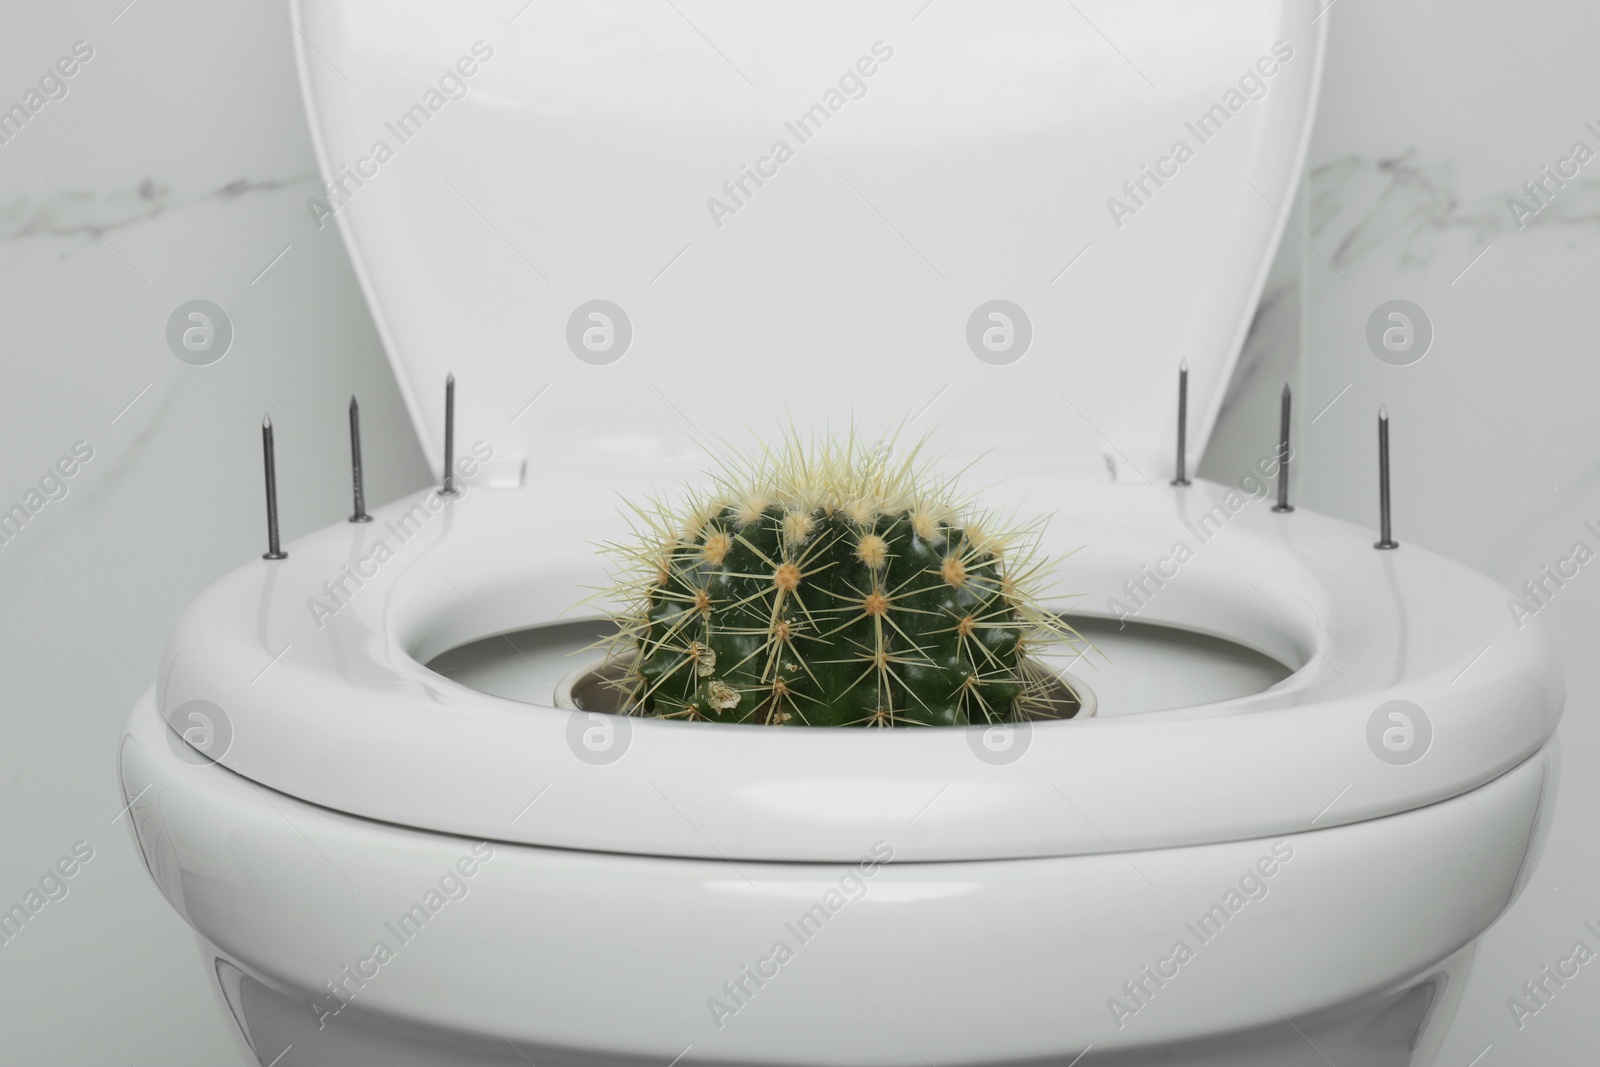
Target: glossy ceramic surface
587,958
328,700
493,179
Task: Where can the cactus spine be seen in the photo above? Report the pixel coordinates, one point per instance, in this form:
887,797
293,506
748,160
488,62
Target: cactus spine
825,584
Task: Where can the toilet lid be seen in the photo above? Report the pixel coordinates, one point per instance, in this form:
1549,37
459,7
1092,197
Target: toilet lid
632,228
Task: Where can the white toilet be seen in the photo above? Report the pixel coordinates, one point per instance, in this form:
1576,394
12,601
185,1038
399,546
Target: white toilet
1317,771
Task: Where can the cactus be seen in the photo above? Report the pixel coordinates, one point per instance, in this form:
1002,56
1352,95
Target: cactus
826,584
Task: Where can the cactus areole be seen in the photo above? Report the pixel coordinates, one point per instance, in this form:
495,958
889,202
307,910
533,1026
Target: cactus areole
829,584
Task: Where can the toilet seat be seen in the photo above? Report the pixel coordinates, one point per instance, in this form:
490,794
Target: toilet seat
347,717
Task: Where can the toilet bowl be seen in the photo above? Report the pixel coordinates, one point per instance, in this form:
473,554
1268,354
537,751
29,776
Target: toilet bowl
1316,771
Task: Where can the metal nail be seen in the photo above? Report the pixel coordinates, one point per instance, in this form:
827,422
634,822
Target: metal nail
1283,457
360,512
1385,540
449,435
1182,466
268,454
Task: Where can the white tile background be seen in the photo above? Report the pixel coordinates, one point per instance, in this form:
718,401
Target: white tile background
183,143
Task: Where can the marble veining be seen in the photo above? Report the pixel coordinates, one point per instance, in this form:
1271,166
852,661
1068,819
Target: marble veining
92,213
1409,207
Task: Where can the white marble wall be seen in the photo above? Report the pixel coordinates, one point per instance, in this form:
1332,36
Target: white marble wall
1434,113
177,166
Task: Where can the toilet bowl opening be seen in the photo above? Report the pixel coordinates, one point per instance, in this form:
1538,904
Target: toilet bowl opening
598,686
1132,668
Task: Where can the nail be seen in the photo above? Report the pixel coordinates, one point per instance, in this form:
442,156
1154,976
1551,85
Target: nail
268,454
1385,540
360,513
449,435
1182,466
1283,457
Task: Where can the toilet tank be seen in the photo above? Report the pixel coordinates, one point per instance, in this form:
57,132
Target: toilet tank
634,228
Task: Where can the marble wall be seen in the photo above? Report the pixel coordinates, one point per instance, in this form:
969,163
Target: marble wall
1433,116
176,167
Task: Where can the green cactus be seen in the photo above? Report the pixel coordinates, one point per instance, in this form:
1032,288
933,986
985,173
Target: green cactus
827,585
